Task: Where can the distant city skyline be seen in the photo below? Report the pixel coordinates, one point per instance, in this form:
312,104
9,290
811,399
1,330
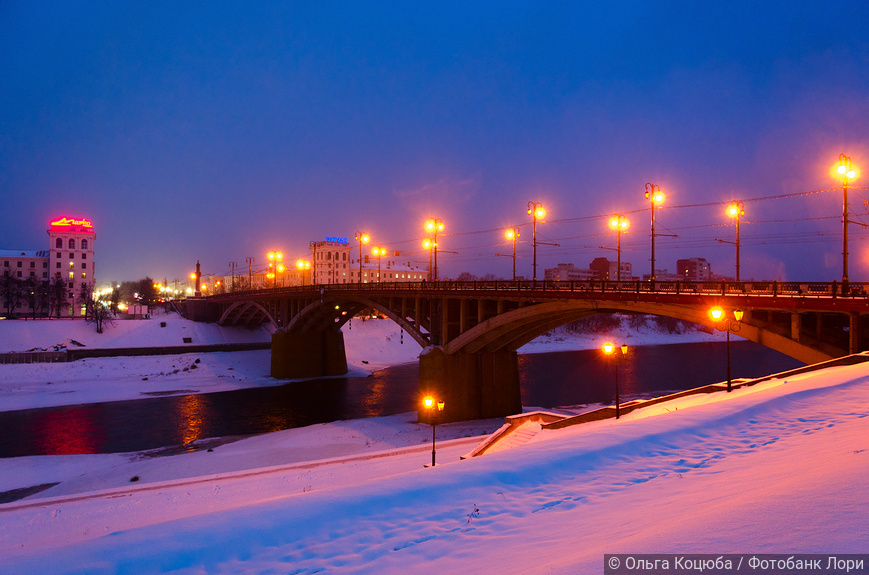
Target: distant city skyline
221,132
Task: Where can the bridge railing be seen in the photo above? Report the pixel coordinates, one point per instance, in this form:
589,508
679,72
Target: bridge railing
754,288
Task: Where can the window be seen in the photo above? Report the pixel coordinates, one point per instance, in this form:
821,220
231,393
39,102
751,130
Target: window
71,275
33,264
84,256
6,264
44,265
344,257
84,275
19,264
58,254
71,265
71,244
84,266
45,275
58,244
32,274
84,285
58,264
18,274
71,256
84,244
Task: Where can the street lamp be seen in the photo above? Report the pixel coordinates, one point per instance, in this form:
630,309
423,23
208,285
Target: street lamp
512,234
847,173
735,210
724,323
363,239
535,210
249,261
609,349
434,225
302,266
379,252
430,403
274,259
619,223
654,195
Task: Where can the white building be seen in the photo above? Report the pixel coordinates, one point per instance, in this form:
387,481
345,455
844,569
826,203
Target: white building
332,264
567,272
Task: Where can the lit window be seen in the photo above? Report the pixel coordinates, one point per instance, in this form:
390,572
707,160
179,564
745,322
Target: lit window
71,275
84,275
71,265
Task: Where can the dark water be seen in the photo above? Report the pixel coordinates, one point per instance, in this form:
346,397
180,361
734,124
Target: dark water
548,380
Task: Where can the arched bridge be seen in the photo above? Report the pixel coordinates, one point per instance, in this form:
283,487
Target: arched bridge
470,331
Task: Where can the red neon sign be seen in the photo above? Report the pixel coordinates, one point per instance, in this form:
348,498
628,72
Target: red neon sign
69,222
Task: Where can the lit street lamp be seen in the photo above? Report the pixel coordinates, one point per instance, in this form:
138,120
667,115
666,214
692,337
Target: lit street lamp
735,210
654,195
609,350
379,252
724,323
430,403
274,259
434,225
619,223
512,234
535,210
363,239
847,172
303,266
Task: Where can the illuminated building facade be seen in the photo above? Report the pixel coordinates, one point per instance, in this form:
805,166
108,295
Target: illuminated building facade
70,256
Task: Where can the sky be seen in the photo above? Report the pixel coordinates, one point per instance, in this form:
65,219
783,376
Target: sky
220,131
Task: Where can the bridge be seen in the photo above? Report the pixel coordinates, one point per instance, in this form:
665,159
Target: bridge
470,332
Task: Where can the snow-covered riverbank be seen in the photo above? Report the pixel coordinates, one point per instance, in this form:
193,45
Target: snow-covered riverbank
774,468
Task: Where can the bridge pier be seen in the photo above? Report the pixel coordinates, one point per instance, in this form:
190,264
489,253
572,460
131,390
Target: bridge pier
308,354
471,385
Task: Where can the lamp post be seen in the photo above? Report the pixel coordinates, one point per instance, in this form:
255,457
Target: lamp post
249,261
302,266
429,245
434,225
535,210
724,323
513,233
430,404
363,239
379,252
274,260
619,223
847,172
609,349
735,210
654,195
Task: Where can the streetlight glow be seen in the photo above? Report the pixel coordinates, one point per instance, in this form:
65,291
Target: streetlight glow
847,172
434,225
535,210
724,323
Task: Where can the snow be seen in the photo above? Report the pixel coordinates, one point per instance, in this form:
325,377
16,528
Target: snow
778,467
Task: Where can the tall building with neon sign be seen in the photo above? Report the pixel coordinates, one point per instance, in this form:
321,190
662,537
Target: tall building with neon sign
70,256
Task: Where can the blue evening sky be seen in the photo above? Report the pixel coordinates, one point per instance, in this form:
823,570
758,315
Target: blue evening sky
221,130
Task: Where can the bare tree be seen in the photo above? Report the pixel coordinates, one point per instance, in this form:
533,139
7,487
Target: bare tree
11,290
58,296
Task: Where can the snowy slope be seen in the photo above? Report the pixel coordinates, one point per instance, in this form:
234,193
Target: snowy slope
779,467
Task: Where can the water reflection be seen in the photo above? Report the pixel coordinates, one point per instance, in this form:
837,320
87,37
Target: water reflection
547,380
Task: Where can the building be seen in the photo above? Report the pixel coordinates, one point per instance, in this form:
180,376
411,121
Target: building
694,269
70,256
332,264
567,272
662,276
605,270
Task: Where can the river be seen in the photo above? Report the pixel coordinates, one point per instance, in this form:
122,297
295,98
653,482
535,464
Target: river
547,380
